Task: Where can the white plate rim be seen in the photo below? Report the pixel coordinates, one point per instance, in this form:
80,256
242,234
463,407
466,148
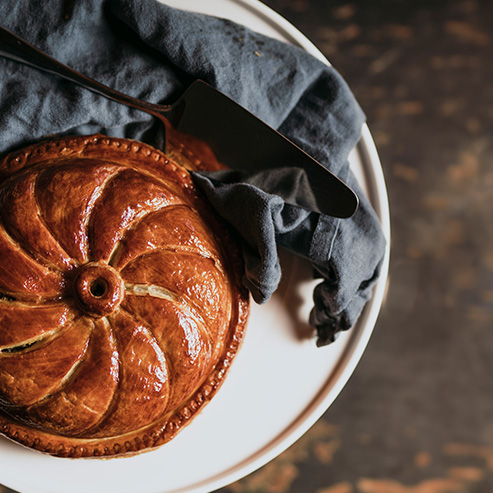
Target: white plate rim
361,333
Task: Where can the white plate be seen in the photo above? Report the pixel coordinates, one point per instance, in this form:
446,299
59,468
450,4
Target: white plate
279,384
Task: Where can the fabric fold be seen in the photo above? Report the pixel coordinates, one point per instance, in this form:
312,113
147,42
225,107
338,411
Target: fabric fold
153,52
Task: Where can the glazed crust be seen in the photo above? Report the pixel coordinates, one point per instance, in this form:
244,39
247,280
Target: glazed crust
121,301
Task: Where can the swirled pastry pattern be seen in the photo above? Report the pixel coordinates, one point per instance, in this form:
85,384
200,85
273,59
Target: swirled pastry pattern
121,303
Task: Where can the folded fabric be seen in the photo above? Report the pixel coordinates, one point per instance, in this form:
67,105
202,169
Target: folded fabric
153,52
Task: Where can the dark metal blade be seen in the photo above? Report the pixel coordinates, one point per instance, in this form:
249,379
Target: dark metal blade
244,142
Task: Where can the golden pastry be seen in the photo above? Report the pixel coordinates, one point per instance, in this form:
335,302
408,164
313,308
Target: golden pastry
121,302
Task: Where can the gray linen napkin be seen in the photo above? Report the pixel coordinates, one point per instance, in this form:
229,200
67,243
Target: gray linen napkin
153,52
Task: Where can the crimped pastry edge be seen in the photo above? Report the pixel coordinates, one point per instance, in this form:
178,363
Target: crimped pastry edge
168,426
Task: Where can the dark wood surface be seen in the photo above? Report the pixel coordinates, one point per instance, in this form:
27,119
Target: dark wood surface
417,415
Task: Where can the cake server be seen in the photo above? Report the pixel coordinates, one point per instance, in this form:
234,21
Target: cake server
238,138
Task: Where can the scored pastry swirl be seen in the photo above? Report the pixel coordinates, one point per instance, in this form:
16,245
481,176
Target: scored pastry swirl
121,303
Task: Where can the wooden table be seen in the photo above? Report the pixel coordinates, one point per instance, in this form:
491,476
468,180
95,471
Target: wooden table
416,416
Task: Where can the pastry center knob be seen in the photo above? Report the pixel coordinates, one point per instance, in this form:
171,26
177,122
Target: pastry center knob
98,289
